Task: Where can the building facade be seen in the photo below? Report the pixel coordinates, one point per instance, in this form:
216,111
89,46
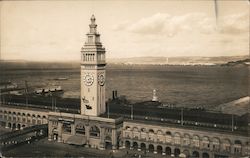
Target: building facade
164,139
17,118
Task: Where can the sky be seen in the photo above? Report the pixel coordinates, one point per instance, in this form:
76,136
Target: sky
56,30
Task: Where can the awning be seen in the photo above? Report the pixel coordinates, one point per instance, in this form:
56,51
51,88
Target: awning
77,140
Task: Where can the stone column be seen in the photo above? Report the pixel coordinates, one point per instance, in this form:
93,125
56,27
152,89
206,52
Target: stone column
102,143
172,151
163,150
147,150
155,149
87,133
210,145
59,128
139,146
131,146
50,134
73,130
232,149
114,139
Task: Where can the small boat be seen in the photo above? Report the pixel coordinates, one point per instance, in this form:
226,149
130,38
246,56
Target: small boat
49,91
8,85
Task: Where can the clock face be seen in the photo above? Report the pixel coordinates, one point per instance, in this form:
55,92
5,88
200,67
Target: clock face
88,79
101,79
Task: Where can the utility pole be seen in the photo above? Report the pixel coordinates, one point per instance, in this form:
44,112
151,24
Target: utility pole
232,122
26,92
132,112
0,97
55,102
182,116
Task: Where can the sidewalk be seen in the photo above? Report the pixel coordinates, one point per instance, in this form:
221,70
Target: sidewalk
45,148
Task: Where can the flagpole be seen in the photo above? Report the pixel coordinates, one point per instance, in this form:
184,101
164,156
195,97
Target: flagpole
182,116
232,122
108,109
132,112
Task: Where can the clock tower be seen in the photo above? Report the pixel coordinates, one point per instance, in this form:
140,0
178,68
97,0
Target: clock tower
93,73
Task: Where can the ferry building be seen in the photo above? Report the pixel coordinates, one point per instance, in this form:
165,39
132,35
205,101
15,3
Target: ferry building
88,128
96,127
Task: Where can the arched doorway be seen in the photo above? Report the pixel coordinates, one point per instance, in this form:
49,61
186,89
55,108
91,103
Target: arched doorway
94,132
14,126
23,126
9,125
19,126
168,151
151,148
195,154
143,146
55,134
177,152
159,149
205,155
186,152
108,142
135,145
127,144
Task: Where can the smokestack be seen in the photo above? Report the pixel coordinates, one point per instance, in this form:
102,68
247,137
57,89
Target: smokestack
113,95
116,94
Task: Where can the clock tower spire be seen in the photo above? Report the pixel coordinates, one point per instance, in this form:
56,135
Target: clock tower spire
93,73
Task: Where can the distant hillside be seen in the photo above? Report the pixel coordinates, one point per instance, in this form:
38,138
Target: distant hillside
176,60
7,65
113,63
245,62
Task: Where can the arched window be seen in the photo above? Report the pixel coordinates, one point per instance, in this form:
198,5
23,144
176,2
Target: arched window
205,142
196,141
127,128
80,129
168,133
168,137
186,139
159,132
237,146
216,144
226,145
135,129
94,131
143,130
151,131
66,127
177,138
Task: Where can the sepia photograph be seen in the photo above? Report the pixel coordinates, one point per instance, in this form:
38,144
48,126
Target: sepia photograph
125,78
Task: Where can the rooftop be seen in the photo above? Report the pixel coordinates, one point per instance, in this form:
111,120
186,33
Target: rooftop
147,112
